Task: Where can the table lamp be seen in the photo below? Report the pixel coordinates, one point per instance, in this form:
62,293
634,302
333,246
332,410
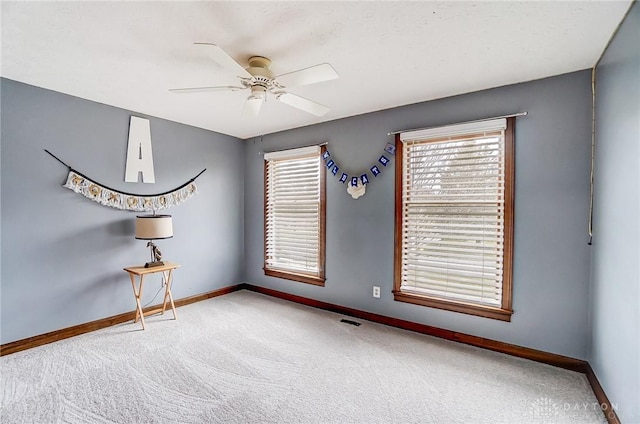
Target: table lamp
154,227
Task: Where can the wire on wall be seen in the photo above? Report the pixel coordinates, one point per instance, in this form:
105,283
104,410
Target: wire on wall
157,293
593,151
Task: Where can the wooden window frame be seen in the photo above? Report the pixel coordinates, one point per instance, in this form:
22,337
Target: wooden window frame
505,311
318,280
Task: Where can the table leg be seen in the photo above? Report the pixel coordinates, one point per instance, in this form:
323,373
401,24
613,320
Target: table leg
138,295
167,293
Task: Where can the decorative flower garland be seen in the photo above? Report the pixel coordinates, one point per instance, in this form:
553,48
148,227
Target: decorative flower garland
106,196
357,185
125,201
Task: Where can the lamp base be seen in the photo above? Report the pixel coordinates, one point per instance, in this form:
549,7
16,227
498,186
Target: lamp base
152,264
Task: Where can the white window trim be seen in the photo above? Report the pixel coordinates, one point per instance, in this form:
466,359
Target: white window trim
455,129
292,153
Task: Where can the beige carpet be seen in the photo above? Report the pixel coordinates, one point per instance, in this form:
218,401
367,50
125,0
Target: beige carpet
248,358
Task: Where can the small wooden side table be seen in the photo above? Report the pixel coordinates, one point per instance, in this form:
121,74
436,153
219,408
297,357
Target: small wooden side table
141,271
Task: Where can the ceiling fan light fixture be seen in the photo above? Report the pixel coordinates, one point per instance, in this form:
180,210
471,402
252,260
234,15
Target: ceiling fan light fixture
258,92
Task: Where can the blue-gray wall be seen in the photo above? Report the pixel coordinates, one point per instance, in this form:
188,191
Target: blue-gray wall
615,276
552,258
62,254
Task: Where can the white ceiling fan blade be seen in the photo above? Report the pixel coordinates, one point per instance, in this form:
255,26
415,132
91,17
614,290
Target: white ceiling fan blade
220,57
206,89
302,103
311,75
252,106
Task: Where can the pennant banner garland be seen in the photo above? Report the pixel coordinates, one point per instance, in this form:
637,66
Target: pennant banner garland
356,186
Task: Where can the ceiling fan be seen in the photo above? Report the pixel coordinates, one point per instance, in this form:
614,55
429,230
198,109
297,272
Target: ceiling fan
258,79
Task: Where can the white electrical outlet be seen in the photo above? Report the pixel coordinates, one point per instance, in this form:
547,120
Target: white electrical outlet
376,292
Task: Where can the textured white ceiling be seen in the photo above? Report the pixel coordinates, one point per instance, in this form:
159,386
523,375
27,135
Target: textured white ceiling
387,54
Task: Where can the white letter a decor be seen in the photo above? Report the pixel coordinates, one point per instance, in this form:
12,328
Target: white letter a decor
139,153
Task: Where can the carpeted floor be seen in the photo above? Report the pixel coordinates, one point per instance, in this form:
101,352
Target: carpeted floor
249,358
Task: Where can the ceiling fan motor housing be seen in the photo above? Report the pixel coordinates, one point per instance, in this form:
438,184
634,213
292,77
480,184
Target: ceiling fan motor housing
260,72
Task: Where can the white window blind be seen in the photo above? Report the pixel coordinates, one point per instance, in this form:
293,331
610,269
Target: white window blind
292,211
453,212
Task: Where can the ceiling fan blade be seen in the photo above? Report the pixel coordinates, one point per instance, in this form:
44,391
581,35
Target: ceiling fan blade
220,57
252,106
302,103
206,89
311,75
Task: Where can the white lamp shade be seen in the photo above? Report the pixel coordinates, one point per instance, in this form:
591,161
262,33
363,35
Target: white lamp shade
153,227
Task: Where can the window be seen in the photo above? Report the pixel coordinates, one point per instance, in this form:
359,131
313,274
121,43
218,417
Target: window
294,215
454,217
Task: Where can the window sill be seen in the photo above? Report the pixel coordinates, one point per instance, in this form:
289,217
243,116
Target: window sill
302,278
449,305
